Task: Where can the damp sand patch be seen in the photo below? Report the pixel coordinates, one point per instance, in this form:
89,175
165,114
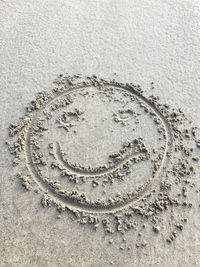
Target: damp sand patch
108,156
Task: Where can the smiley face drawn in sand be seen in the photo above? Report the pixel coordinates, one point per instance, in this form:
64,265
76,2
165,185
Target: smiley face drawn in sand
105,153
94,146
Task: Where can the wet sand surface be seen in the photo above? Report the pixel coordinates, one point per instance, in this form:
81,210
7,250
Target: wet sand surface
100,139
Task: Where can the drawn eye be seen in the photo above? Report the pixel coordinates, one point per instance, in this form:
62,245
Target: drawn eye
68,119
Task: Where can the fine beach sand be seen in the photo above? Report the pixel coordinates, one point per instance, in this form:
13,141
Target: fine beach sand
100,139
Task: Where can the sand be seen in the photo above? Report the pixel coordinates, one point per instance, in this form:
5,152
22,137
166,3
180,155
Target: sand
99,169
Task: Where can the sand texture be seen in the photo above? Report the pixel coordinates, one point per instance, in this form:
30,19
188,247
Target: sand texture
100,133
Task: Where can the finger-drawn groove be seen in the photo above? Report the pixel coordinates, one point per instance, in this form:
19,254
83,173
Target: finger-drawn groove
81,171
71,204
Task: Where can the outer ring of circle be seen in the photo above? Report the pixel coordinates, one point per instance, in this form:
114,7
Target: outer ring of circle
72,205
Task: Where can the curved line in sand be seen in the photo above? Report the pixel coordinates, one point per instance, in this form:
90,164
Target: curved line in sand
81,171
149,185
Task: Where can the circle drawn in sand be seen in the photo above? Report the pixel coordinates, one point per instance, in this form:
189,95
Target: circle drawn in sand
93,146
109,156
